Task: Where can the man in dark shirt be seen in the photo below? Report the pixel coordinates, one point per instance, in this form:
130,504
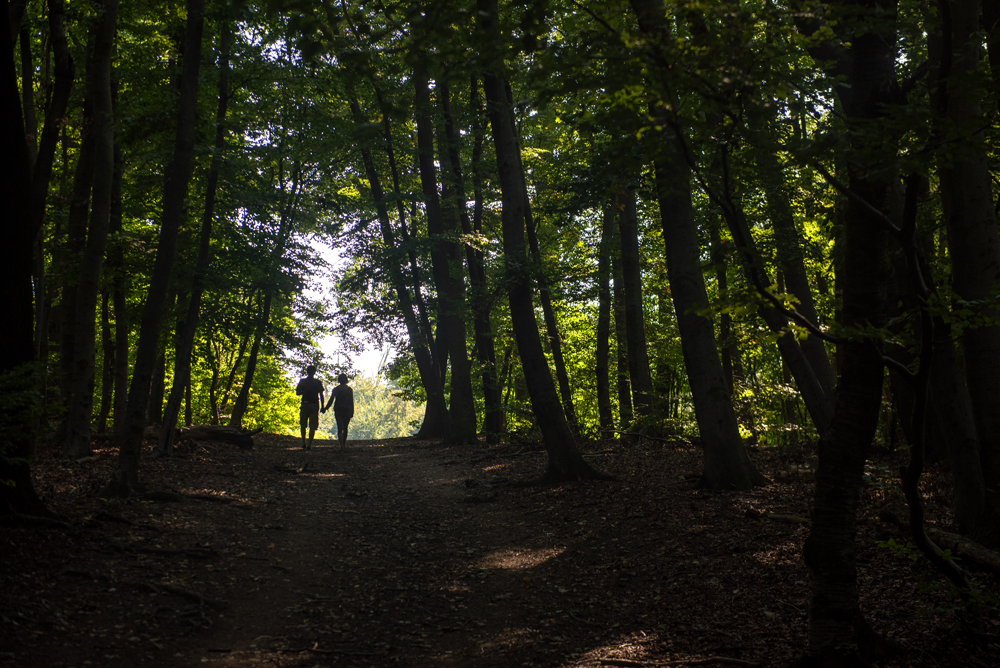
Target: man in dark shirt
312,393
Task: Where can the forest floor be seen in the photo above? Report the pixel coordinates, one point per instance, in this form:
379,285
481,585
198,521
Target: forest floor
411,553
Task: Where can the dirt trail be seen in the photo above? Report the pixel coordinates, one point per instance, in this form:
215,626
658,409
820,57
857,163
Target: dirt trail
410,553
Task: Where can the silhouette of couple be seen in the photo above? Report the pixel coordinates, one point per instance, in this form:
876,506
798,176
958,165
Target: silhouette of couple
311,390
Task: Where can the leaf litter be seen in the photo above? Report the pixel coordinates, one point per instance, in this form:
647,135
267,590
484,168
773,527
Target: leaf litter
412,553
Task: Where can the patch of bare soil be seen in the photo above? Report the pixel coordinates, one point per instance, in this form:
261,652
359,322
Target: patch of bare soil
411,553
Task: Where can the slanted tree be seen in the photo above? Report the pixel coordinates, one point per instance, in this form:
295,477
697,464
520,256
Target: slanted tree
565,461
727,465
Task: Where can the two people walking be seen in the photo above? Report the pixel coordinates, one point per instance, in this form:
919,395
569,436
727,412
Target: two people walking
312,392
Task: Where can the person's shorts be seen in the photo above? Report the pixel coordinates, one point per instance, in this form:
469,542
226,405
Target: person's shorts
309,416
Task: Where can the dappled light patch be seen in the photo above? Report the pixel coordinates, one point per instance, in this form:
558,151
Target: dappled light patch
519,558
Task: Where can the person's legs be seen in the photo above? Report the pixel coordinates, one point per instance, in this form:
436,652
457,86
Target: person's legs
312,419
303,418
342,429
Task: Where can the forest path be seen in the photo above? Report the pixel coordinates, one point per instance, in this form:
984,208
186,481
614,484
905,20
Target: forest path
385,553
413,553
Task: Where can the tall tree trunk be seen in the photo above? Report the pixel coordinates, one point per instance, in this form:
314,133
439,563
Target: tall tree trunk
157,388
838,633
818,403
231,379
410,247
971,220
107,365
17,326
115,267
494,420
437,420
76,240
55,112
727,465
605,417
243,400
718,256
623,380
446,260
125,479
189,326
213,386
565,460
635,325
78,418
553,336
28,96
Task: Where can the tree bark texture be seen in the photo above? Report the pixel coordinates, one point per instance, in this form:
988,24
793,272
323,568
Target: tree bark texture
125,479
107,364
623,381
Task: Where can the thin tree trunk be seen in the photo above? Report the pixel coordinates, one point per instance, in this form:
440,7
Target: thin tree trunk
243,400
718,256
553,336
115,263
157,388
78,418
28,96
231,379
565,460
107,365
213,387
623,380
415,273
446,260
125,479
76,239
605,417
189,326
635,327
55,112
494,421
